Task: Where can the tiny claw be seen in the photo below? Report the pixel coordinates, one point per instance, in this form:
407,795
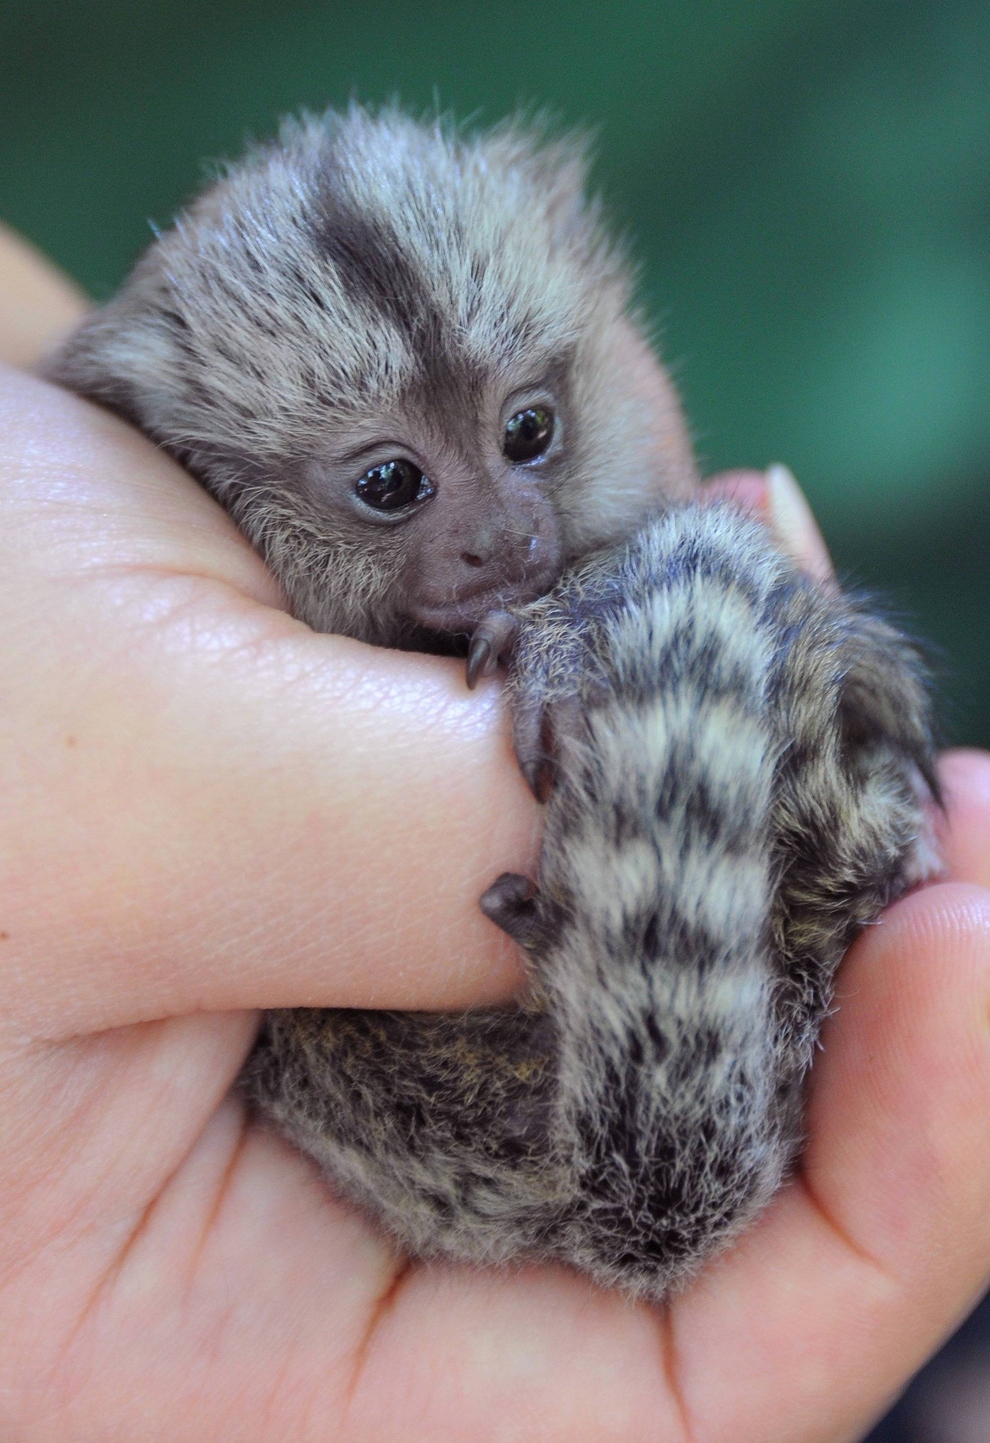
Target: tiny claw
490,644
531,772
540,775
478,659
510,903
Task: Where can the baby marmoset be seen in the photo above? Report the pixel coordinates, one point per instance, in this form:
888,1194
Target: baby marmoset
403,360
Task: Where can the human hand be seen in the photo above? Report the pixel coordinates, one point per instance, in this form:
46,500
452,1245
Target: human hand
208,810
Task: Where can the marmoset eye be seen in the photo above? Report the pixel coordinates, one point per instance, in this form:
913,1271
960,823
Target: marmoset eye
528,434
392,486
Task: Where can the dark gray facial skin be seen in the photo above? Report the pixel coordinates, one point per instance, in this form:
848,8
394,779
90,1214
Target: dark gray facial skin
480,530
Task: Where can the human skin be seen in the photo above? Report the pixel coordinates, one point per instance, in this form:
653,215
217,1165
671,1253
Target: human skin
208,810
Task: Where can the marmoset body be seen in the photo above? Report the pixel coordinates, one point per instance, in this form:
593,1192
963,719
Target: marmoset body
404,361
738,759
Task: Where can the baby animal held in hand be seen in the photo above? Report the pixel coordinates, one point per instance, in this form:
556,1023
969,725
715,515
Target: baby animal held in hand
403,359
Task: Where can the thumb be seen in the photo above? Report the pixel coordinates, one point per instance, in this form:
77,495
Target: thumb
207,805
774,497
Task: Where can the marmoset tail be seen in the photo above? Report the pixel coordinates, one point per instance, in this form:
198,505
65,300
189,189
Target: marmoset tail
403,360
739,760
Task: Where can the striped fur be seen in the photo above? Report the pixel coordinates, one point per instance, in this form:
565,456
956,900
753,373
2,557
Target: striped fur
372,282
739,759
739,756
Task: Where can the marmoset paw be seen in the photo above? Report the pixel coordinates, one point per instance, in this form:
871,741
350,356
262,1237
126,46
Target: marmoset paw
510,903
540,731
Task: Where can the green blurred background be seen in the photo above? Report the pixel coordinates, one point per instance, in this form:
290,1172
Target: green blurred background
806,185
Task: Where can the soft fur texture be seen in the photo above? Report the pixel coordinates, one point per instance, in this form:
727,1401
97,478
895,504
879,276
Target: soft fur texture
739,762
369,284
739,755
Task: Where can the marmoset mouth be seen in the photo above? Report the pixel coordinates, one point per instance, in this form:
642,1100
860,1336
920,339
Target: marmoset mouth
455,620
463,612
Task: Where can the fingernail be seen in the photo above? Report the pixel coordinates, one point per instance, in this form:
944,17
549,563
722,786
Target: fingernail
794,526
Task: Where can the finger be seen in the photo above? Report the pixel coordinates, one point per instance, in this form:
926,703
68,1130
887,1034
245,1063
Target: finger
521,1354
863,1265
965,777
38,304
775,498
745,489
206,805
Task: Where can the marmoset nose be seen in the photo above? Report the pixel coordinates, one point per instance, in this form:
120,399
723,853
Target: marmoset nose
498,559
478,544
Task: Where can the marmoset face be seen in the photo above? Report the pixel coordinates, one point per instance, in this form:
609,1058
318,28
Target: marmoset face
459,496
